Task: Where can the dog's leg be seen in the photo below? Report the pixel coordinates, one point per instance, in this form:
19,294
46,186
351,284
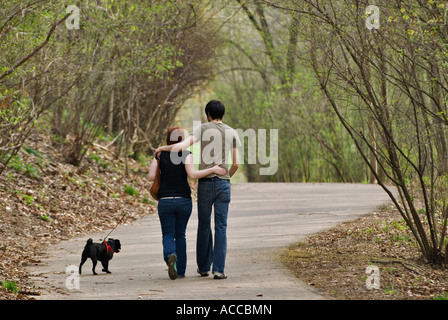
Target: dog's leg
83,259
94,261
105,266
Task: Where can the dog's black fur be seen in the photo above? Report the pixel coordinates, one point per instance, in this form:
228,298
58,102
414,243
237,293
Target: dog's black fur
98,251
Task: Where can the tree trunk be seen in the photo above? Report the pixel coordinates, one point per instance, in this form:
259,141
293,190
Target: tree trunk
110,122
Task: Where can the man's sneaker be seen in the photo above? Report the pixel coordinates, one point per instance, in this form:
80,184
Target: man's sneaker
219,275
172,267
203,274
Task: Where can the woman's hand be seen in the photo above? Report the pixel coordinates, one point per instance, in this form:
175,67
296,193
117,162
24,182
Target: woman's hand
218,170
197,174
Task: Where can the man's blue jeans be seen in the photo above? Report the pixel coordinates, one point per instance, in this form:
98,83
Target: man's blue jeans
214,192
174,215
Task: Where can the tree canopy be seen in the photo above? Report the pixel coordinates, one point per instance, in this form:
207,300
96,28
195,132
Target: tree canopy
358,93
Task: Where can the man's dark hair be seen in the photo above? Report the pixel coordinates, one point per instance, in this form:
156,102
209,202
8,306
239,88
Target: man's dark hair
215,109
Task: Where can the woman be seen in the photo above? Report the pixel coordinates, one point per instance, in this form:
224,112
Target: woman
175,203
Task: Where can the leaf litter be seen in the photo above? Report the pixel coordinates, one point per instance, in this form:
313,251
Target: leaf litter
44,200
335,261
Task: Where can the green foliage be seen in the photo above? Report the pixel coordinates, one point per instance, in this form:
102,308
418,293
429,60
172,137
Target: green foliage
78,182
105,165
32,171
10,286
403,140
94,157
16,163
441,296
130,190
98,160
22,34
112,74
261,92
141,158
45,217
147,200
29,200
29,150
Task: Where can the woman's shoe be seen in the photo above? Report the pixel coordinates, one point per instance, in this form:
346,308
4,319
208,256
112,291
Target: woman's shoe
219,275
203,274
172,267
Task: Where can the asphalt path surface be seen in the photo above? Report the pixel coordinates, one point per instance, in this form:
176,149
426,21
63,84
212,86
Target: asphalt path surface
264,218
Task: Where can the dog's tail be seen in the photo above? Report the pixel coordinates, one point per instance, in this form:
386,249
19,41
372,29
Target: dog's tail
89,242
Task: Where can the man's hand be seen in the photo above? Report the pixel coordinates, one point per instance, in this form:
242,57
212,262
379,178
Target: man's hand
158,152
180,146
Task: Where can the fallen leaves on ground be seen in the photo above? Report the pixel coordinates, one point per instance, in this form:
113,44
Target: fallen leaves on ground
44,200
334,261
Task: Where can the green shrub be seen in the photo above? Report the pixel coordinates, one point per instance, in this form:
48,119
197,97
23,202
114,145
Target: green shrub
146,200
29,200
45,217
94,157
441,296
16,163
32,171
130,190
10,286
35,153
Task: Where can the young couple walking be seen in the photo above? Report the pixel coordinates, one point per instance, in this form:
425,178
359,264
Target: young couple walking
218,142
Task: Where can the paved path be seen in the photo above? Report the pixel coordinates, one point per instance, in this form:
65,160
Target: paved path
263,219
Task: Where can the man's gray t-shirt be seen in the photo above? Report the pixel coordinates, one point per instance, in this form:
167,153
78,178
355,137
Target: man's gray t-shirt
217,141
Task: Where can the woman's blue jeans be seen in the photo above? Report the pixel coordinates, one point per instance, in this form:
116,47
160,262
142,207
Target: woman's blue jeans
174,215
214,192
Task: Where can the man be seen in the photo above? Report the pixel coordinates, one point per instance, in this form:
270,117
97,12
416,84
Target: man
218,141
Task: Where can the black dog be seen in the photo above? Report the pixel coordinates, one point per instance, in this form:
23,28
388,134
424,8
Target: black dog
100,251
